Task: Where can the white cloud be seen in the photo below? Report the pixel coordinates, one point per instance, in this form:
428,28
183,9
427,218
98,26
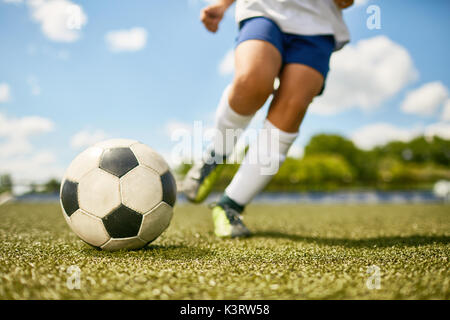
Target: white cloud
381,133
86,138
61,20
28,168
446,111
15,133
378,134
426,99
25,169
26,126
439,129
133,39
17,154
226,65
365,75
5,92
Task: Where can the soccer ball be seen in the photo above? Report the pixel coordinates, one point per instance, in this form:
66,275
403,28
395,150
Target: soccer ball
118,194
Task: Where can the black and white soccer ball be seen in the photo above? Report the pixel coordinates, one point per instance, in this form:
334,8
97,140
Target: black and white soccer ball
118,194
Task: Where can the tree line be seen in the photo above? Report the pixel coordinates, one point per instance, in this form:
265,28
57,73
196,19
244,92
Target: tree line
334,162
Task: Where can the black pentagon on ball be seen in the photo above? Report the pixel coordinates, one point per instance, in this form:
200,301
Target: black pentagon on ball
69,197
123,222
169,187
118,161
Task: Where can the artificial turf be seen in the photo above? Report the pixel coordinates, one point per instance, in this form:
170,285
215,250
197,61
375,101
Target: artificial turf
297,252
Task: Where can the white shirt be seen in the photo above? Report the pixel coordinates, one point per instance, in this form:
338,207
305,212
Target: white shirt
302,17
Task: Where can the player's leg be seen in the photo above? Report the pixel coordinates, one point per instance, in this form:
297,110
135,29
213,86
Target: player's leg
257,63
299,84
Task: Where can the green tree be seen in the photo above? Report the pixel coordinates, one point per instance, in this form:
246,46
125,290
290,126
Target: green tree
440,151
363,162
6,183
51,186
419,150
320,171
333,144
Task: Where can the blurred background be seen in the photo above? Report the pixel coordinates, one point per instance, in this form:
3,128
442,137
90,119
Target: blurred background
73,73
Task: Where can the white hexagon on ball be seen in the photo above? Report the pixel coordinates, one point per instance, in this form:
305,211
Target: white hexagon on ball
99,193
141,189
149,158
86,161
155,222
88,228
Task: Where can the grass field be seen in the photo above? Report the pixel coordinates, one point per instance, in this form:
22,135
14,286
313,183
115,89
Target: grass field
298,252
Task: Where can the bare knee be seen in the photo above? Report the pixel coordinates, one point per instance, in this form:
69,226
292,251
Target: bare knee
288,114
250,91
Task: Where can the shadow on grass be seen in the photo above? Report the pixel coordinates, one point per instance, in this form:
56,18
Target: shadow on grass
383,242
166,252
176,252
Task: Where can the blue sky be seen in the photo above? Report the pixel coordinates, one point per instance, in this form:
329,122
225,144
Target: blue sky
61,90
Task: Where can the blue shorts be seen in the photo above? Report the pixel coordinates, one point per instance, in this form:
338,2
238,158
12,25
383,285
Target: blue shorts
313,51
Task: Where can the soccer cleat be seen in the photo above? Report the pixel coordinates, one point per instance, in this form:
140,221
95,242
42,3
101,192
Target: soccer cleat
200,180
228,223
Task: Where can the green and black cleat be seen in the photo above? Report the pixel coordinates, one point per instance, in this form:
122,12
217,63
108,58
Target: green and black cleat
200,180
228,222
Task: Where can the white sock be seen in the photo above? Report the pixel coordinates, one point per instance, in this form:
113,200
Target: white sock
229,125
261,163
